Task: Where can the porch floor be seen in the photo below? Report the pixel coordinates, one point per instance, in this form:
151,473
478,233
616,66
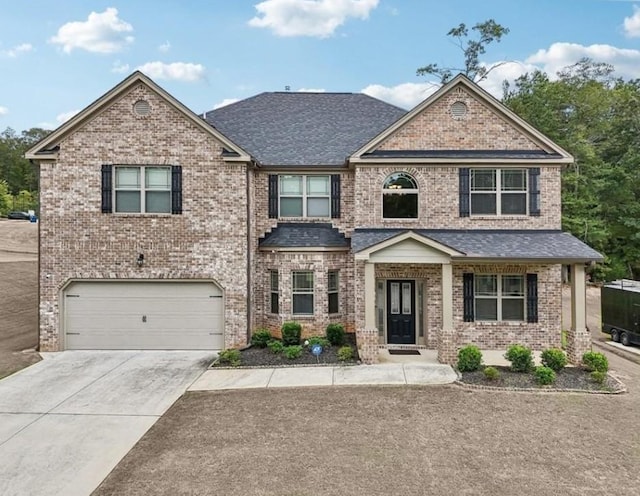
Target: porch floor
489,357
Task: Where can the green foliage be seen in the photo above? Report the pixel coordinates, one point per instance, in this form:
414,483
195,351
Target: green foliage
260,338
291,332
598,376
486,33
545,375
275,346
292,352
335,334
520,357
469,358
595,361
322,341
491,373
554,358
345,353
230,356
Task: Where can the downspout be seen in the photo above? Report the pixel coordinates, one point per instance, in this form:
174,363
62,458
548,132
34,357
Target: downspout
39,213
249,248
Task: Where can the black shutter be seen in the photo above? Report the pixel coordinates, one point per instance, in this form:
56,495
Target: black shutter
176,189
107,189
534,191
335,196
273,196
532,297
464,192
467,293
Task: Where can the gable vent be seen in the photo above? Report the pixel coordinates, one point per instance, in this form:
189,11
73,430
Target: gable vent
142,107
459,110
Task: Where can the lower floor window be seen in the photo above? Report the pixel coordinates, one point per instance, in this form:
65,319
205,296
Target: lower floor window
302,293
275,291
499,297
332,285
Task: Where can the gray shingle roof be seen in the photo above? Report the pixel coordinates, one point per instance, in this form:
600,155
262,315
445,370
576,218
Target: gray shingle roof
304,235
492,244
298,129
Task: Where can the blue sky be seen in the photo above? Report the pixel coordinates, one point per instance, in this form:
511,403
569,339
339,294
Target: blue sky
56,60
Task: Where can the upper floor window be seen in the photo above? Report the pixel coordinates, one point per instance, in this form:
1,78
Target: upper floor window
400,197
145,189
305,196
498,191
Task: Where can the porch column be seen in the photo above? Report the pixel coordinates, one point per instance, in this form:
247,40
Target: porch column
447,342
367,338
578,337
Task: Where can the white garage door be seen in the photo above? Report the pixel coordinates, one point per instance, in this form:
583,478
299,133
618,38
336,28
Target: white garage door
143,316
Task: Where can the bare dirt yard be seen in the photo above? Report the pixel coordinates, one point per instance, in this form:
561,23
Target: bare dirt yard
434,440
18,295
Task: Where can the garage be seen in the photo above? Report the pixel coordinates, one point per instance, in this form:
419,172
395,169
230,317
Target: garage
149,315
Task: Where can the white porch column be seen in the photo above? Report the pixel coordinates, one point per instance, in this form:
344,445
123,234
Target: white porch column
447,296
578,298
369,295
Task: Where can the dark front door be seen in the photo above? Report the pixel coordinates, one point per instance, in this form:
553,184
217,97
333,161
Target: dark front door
401,315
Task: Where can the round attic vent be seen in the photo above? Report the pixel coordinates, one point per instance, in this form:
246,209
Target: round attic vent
142,107
459,110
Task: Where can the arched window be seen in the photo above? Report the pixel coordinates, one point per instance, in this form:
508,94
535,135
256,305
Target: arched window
400,197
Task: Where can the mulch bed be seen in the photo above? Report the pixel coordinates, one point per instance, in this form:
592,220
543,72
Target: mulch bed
569,378
264,357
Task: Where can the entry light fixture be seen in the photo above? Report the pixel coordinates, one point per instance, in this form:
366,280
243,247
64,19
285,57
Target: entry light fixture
140,260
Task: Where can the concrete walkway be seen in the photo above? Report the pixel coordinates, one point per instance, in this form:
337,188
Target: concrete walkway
382,374
67,421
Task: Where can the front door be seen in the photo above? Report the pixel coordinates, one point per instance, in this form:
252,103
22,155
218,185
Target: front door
401,319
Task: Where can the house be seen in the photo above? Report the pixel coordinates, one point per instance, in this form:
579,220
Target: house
433,228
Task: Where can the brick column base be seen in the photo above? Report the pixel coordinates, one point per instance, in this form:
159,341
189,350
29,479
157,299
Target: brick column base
367,342
448,346
578,343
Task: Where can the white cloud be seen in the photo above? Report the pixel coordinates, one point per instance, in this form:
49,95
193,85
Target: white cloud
65,116
312,90
17,50
100,33
3,110
509,71
316,18
177,71
165,47
119,68
405,95
225,102
632,24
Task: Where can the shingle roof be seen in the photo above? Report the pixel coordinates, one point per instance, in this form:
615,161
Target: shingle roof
298,129
492,244
304,235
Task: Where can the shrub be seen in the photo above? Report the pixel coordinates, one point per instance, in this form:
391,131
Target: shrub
520,357
469,358
545,375
598,376
230,356
491,373
345,353
261,337
291,332
595,362
324,342
335,334
554,358
292,352
275,346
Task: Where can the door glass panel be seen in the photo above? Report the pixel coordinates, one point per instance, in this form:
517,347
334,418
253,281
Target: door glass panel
421,309
380,307
406,298
395,298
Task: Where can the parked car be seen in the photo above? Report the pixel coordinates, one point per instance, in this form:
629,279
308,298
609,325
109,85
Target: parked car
621,311
19,215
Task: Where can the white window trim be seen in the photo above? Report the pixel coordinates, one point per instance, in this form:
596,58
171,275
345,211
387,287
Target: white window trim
390,191
499,192
303,291
143,189
500,297
304,195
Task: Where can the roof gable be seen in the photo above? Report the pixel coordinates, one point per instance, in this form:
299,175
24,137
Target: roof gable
46,148
462,117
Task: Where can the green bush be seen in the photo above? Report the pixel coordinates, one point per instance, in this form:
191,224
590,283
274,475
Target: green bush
520,357
324,342
291,332
598,376
469,358
260,338
292,352
230,356
275,346
545,375
554,358
335,334
595,361
345,353
491,373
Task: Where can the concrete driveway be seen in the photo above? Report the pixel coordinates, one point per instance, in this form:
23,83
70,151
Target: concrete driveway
66,421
